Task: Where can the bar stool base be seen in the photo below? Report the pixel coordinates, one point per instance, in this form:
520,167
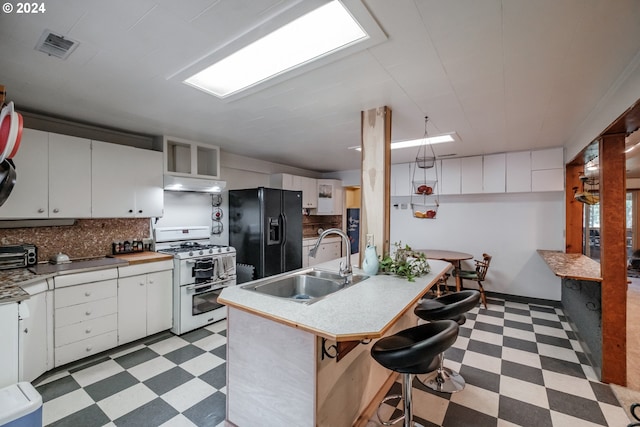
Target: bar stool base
443,380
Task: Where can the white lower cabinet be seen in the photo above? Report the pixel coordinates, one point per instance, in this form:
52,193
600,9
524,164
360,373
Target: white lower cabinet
144,300
9,354
328,250
36,332
86,317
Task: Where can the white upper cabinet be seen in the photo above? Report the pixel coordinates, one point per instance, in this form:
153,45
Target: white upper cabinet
471,176
29,198
519,172
493,173
192,159
69,177
329,197
401,184
451,173
126,181
308,186
547,170
552,158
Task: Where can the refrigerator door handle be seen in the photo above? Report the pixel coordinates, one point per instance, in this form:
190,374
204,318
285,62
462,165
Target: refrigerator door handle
283,229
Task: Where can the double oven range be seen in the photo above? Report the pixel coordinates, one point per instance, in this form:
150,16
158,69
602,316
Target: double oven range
201,270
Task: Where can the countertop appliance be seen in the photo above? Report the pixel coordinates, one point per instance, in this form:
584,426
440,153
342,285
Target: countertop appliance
200,272
18,256
265,227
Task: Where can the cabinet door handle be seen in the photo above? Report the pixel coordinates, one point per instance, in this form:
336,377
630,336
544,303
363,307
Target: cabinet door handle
140,211
26,330
89,348
40,210
130,210
87,294
56,210
88,312
141,283
88,331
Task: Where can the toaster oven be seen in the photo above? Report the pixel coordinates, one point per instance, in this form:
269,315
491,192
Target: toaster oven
18,256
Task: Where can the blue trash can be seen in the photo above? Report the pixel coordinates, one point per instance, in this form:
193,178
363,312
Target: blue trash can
20,406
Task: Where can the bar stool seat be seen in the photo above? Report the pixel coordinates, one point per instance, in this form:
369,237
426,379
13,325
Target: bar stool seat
452,307
413,351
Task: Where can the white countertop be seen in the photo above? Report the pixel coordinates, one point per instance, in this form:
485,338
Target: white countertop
364,310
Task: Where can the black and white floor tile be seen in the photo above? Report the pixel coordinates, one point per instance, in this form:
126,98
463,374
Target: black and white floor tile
165,380
522,363
523,366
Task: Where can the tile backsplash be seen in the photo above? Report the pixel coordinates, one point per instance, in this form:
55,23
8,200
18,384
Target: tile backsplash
312,223
86,238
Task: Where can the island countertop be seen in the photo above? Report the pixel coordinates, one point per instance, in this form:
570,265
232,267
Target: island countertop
571,266
365,310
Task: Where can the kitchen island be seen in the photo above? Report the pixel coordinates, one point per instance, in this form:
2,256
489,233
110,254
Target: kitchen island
285,363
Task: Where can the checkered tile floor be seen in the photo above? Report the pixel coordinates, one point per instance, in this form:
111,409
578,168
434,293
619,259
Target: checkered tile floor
522,363
165,380
524,367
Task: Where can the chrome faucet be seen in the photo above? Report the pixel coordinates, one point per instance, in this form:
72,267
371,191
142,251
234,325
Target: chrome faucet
345,267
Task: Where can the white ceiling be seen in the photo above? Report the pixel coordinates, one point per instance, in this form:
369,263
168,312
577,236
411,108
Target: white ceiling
505,75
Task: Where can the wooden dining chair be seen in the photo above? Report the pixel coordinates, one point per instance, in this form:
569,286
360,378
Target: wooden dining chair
479,274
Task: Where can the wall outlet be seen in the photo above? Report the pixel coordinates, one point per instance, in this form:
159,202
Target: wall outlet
369,239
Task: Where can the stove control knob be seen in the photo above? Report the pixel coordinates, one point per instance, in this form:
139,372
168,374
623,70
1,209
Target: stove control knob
227,249
190,253
210,250
201,252
219,250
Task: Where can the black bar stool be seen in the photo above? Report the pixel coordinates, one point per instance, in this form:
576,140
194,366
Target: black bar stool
413,351
452,307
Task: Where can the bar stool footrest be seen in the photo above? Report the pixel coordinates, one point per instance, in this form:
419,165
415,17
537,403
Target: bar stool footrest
443,380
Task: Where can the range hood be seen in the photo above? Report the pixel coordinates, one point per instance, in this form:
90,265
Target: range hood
181,183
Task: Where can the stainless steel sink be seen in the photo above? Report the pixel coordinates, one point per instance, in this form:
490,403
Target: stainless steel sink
307,286
324,274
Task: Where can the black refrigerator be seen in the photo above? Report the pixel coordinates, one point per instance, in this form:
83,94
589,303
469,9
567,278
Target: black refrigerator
265,228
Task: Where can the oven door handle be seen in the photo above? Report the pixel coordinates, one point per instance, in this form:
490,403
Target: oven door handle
214,286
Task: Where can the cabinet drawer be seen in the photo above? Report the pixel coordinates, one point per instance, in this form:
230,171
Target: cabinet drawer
86,277
78,350
82,312
83,330
149,267
85,293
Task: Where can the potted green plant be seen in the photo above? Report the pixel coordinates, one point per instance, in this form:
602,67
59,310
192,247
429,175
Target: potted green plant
405,262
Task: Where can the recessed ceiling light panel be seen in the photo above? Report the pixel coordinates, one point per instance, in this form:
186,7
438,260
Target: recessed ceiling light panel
300,40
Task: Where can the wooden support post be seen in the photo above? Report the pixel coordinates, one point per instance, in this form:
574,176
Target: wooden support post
375,179
613,258
574,210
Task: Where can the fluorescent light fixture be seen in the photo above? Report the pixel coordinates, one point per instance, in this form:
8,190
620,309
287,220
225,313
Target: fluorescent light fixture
314,35
437,139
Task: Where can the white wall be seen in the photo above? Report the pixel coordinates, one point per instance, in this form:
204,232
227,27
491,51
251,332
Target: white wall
510,227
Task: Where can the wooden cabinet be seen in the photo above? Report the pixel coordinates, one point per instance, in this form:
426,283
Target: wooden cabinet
29,198
308,186
330,248
86,315
126,182
494,173
36,331
69,177
191,159
329,197
144,300
450,182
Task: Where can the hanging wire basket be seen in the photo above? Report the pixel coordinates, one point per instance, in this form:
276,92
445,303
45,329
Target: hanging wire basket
425,162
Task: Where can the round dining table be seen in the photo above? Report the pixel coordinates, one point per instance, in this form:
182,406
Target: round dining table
454,257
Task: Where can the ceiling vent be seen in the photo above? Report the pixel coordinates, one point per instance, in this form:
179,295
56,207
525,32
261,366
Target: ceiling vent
56,45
